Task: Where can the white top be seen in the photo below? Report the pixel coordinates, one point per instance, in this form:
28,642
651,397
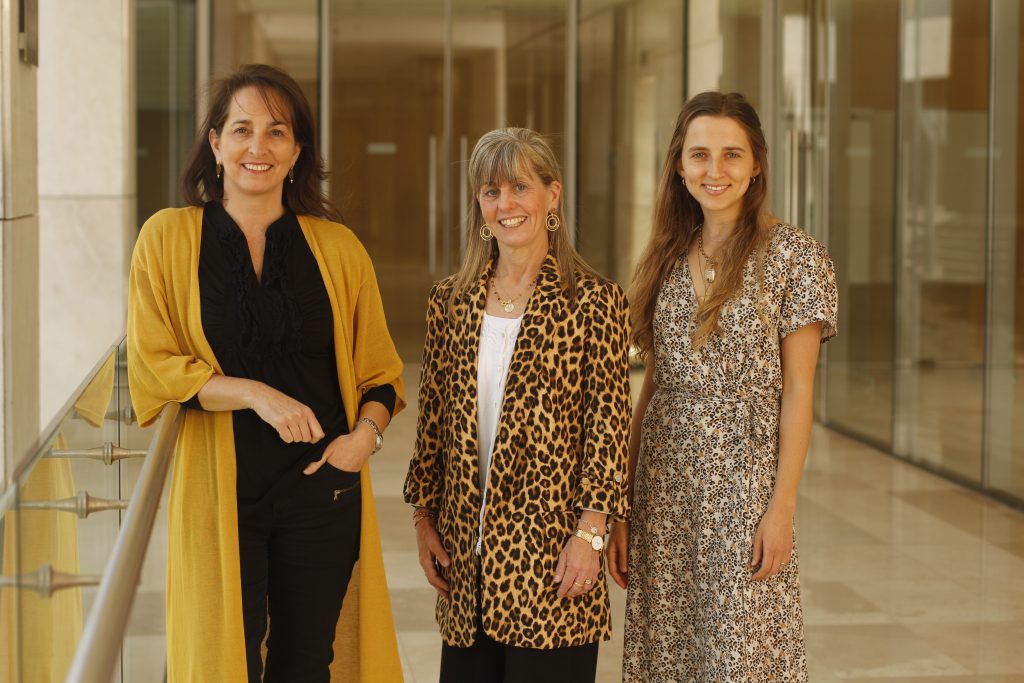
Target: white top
497,342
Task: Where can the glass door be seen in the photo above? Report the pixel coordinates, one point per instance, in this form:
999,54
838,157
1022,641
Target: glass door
861,214
942,239
508,69
387,148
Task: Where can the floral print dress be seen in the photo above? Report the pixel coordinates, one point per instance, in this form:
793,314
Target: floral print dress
706,473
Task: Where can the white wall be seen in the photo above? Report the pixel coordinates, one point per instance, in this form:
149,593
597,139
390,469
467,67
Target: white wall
86,186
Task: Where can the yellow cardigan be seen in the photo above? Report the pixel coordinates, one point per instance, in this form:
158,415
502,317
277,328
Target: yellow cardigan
169,360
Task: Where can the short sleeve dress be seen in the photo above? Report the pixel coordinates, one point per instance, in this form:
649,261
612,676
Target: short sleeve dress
706,473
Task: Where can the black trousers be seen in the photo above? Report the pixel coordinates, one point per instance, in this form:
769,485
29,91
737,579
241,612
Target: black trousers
488,661
297,554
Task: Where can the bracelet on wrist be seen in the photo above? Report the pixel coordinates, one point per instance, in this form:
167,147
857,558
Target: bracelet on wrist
421,513
587,526
378,437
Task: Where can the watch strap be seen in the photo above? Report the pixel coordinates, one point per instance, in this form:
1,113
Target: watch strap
378,437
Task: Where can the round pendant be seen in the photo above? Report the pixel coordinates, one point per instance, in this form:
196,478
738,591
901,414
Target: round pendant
509,307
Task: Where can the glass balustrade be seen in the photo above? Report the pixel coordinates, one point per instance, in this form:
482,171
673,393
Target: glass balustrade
60,515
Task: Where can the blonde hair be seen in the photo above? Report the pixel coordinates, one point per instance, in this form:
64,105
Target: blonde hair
678,218
503,156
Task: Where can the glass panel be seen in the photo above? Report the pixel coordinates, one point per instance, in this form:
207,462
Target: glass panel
282,33
942,236
626,118
862,215
1005,469
48,524
602,46
535,68
165,85
508,70
481,94
387,124
725,48
797,187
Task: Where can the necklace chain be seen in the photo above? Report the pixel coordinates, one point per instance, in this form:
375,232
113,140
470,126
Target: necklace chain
508,305
709,271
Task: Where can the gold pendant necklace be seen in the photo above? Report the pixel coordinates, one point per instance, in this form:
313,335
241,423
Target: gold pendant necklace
508,305
710,270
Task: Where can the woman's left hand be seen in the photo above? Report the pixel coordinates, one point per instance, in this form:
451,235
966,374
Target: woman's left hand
578,568
773,543
349,452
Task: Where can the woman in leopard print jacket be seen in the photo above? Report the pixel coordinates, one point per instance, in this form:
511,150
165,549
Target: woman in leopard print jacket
522,438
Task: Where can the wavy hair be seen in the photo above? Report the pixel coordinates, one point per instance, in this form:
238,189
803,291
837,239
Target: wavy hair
503,156
283,97
678,218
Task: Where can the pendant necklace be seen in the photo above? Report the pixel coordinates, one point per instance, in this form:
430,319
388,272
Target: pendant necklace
710,268
508,305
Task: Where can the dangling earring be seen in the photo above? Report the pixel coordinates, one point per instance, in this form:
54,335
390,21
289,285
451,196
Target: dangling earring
553,223
291,174
220,169
753,179
485,233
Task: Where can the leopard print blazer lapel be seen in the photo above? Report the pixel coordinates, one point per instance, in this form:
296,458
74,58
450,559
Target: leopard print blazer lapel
526,366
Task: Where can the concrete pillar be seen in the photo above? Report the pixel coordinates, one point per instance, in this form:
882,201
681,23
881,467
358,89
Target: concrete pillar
86,186
19,220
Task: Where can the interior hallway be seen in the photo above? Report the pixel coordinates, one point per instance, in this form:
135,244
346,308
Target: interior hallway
905,576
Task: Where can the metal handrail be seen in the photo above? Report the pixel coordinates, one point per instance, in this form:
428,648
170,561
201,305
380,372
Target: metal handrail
97,655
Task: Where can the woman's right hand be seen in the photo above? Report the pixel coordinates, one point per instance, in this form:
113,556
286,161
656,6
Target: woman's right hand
618,553
432,553
294,421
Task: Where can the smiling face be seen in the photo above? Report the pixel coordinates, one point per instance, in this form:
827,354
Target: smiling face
516,210
256,145
717,165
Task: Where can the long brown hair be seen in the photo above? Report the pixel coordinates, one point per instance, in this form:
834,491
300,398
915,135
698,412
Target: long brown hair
504,156
678,218
284,97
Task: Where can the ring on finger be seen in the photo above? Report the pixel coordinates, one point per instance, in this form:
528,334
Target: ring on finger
587,582
577,583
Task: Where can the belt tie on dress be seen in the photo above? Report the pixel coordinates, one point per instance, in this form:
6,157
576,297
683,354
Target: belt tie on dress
745,408
744,405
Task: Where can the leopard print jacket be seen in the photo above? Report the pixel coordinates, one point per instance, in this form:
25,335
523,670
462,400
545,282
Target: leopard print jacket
561,446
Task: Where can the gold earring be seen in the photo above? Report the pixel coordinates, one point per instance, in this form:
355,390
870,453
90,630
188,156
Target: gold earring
220,169
485,233
553,223
291,174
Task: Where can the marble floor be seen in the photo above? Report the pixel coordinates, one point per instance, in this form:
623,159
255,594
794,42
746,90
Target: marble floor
905,576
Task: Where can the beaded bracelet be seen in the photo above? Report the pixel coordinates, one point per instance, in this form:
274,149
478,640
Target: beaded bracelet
420,514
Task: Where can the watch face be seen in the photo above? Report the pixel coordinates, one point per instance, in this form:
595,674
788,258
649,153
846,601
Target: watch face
597,543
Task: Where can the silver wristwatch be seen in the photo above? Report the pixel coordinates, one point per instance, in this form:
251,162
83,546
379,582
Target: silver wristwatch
378,438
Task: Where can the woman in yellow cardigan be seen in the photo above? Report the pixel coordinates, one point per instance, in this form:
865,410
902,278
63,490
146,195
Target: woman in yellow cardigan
264,319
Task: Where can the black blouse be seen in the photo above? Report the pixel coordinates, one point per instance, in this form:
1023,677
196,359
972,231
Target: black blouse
278,330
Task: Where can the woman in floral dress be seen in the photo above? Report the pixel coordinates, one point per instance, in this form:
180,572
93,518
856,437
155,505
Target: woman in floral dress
730,308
